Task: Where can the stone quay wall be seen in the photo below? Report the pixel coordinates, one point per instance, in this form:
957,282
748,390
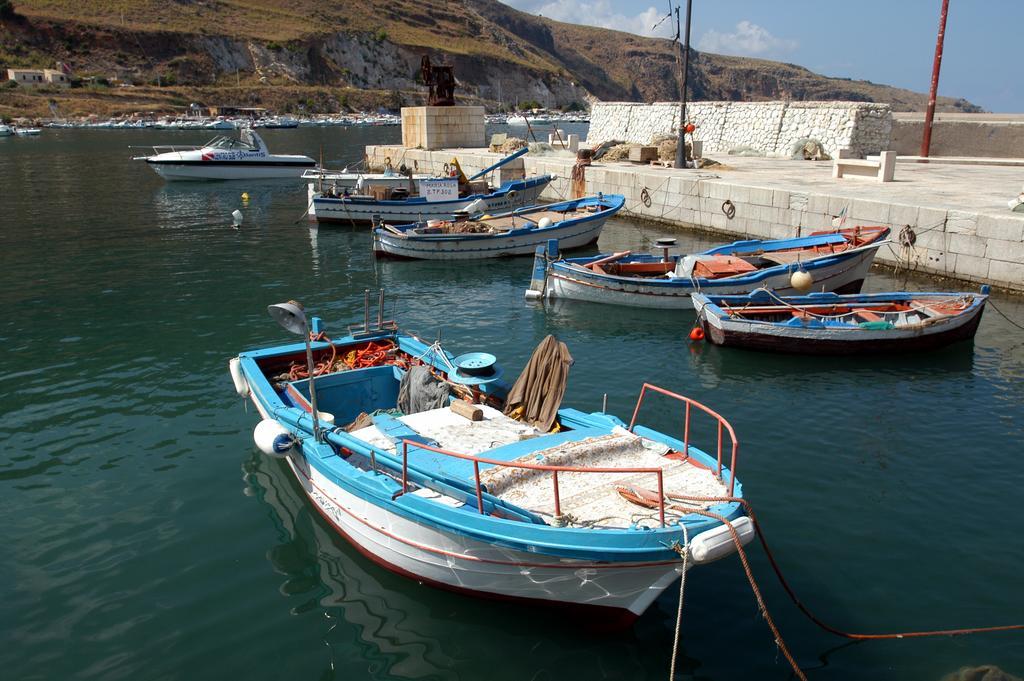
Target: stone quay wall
772,128
970,246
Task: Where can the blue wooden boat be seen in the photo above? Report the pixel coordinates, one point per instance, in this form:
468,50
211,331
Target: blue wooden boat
836,260
459,495
826,323
573,223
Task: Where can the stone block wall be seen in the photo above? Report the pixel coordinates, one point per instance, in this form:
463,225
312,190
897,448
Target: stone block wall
773,128
443,127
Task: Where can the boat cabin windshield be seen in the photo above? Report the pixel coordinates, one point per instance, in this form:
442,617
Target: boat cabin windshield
230,144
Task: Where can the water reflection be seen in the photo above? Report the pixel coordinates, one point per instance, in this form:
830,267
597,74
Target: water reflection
404,630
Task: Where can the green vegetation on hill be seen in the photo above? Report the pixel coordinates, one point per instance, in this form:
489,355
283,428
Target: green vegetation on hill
499,53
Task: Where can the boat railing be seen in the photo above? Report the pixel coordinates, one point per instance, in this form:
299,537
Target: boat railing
165,148
554,470
722,424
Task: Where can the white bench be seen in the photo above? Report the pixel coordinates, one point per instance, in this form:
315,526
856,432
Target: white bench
881,170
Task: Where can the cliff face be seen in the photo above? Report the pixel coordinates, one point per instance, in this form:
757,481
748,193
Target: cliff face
499,54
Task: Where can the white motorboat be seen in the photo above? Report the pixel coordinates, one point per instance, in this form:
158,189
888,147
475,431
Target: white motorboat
220,124
226,158
27,132
5,130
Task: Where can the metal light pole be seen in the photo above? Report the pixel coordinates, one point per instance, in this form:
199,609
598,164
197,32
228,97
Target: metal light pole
292,317
929,116
681,147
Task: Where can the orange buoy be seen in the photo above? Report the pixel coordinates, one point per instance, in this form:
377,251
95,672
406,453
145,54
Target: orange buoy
696,334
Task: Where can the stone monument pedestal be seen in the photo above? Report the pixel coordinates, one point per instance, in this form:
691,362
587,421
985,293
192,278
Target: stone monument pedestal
443,127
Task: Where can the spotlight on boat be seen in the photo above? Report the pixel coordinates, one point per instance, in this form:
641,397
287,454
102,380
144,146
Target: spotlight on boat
292,318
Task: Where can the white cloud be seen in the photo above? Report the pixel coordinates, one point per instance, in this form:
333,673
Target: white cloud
598,13
748,39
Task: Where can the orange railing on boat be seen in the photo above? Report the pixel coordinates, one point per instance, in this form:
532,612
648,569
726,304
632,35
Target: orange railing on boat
554,470
722,423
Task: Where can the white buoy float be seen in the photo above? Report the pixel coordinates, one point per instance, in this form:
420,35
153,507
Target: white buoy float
236,216
544,222
273,439
241,385
801,281
717,543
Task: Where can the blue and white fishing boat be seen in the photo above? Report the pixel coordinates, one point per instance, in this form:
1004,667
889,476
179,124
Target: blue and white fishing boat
831,324
836,260
419,459
574,223
408,207
418,199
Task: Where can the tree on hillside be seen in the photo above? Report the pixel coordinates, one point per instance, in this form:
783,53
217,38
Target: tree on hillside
7,10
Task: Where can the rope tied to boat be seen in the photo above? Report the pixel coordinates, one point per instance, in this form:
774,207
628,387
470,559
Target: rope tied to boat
684,552
644,499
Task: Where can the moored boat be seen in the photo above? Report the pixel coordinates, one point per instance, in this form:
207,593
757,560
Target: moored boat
336,182
836,260
827,323
418,458
404,207
6,130
574,223
226,158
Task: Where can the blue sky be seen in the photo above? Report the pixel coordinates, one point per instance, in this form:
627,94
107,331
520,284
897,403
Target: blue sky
885,41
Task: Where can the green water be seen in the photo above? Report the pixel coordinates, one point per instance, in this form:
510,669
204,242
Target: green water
143,537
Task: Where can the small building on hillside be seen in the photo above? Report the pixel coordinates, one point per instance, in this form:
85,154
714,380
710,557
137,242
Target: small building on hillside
31,77
37,77
57,77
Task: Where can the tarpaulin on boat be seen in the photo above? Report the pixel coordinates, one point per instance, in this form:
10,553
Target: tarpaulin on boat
539,389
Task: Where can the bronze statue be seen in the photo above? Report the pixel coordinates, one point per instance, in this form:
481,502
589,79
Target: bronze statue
441,82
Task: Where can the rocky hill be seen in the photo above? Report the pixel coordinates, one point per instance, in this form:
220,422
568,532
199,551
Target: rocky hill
322,56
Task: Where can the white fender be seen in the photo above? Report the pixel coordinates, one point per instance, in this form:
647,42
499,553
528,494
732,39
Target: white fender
273,439
241,385
802,281
718,543
476,206
544,222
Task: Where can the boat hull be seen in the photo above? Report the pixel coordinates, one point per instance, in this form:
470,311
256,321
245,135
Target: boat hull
618,593
808,341
846,275
241,170
349,211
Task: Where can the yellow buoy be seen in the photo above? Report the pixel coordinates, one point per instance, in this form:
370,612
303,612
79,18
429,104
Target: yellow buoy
245,196
801,281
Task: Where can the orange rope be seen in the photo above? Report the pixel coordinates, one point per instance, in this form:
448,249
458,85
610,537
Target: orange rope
649,499
806,611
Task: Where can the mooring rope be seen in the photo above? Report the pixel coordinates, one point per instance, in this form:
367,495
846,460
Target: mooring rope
838,632
684,553
763,608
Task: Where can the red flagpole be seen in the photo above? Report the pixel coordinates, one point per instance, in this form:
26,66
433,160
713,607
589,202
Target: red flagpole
929,116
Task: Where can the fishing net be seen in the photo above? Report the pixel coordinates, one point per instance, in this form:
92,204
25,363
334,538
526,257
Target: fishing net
420,391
